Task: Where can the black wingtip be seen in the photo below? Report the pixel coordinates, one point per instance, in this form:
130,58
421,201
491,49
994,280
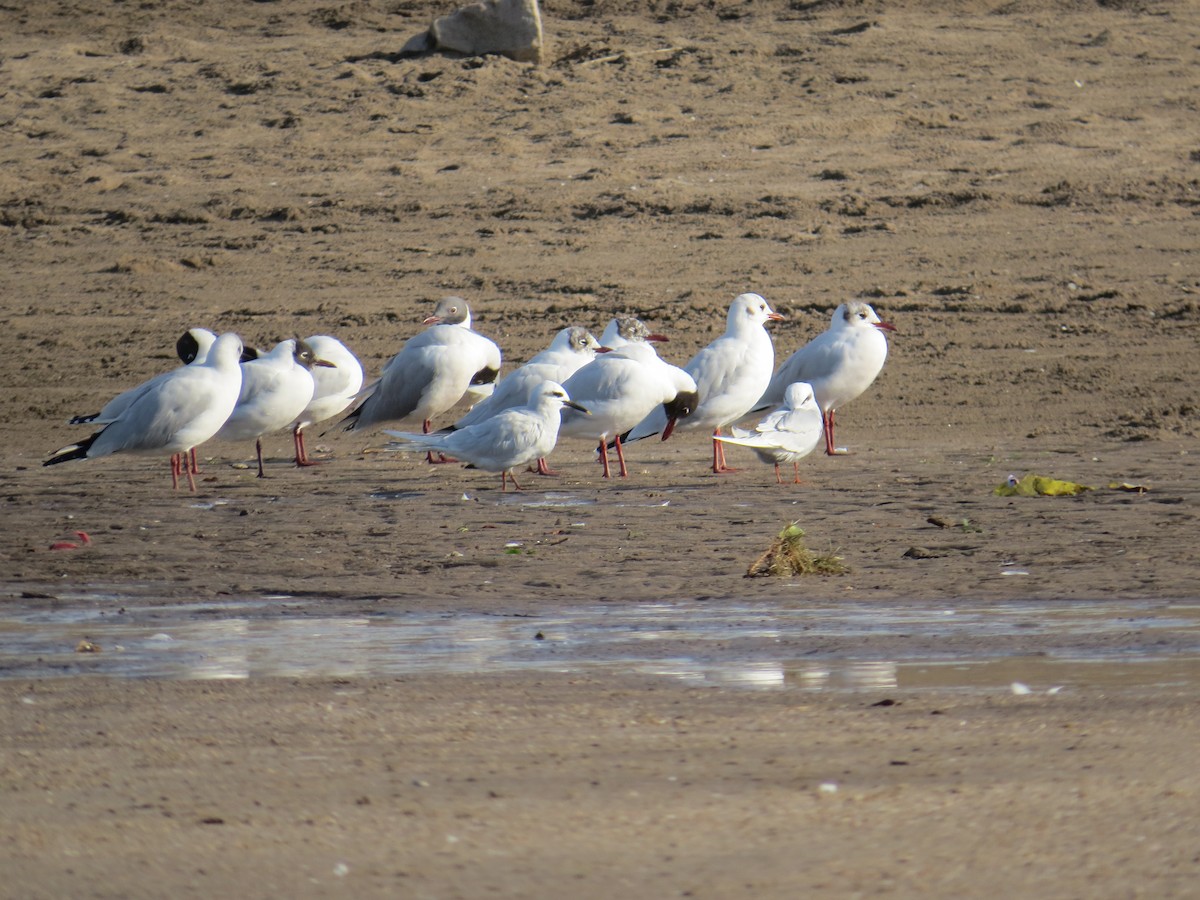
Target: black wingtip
71,451
349,423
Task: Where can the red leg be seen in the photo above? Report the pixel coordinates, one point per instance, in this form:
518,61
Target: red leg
426,427
621,457
778,480
719,466
543,468
829,433
511,475
192,459
175,467
302,451
796,473
604,457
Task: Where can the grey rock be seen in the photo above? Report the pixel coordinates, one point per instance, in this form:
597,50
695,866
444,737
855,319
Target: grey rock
509,27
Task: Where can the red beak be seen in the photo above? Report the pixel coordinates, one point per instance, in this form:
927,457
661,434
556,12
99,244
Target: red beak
885,326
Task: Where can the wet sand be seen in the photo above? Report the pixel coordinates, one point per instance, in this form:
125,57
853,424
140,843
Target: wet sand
1014,186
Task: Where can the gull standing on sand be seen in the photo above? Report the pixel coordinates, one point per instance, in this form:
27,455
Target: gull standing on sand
787,434
514,437
275,390
335,387
731,373
571,349
840,363
171,414
433,372
620,389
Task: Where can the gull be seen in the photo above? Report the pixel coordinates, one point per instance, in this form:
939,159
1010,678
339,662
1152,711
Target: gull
840,363
433,372
275,390
571,349
514,437
191,348
335,387
619,390
172,414
787,434
731,373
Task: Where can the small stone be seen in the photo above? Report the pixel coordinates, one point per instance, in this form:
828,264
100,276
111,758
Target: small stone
920,553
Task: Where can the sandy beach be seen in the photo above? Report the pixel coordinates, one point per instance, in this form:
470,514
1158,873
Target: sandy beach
1014,186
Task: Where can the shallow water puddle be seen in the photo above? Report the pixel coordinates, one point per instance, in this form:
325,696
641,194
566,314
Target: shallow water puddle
806,648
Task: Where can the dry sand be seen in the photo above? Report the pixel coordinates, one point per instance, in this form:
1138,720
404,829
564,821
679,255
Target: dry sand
1015,186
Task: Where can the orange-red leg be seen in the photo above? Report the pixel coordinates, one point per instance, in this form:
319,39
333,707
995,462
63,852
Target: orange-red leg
719,466
301,451
829,451
426,427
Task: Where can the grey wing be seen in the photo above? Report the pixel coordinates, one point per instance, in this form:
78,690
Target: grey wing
799,432
115,407
152,420
809,363
397,393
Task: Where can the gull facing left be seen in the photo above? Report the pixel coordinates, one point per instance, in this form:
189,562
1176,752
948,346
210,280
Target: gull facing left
512,438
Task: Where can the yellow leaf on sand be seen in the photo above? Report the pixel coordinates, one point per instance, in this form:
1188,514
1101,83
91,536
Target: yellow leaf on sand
1038,486
1126,486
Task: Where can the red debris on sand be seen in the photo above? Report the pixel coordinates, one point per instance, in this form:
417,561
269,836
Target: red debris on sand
84,540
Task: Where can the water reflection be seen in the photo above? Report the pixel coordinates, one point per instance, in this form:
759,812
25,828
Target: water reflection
721,644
